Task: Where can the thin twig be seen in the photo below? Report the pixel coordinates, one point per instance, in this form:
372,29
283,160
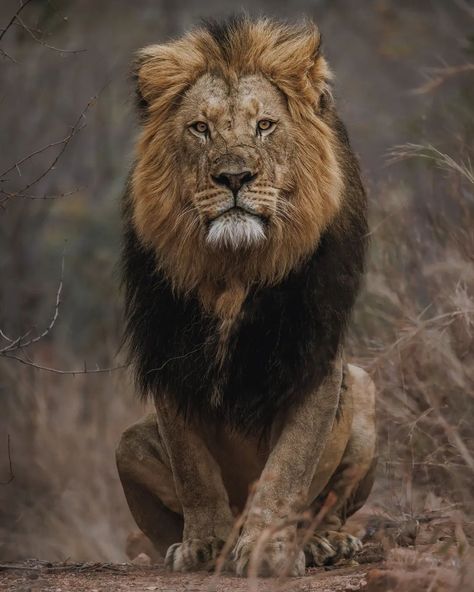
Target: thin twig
229,543
19,343
2,334
8,56
43,43
76,128
408,336
258,552
46,567
63,372
328,504
43,197
16,165
454,437
14,17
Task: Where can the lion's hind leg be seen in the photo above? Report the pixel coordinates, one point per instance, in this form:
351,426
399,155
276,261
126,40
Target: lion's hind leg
352,482
148,484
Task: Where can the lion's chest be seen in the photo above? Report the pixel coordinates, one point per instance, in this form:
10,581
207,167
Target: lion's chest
240,361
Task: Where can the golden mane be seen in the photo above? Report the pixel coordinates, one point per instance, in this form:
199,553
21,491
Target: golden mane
289,57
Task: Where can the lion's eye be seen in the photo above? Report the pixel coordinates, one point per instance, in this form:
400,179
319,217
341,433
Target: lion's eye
265,126
199,127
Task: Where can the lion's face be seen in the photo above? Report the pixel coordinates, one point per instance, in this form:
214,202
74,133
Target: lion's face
234,155
237,171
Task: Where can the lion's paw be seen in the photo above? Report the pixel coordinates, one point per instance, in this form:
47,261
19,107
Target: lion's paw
275,559
194,554
330,547
319,551
345,544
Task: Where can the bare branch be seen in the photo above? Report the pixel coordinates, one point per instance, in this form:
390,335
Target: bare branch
10,463
30,32
19,343
14,18
43,197
8,56
16,165
84,370
76,128
2,334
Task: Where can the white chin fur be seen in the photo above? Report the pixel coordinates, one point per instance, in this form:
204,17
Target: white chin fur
236,231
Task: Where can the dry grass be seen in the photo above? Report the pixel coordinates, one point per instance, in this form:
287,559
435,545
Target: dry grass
415,324
65,500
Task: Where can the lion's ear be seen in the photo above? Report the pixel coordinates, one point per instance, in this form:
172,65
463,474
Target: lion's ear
320,76
146,74
296,65
163,72
140,101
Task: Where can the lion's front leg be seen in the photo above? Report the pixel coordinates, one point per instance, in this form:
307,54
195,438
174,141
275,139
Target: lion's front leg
205,506
283,489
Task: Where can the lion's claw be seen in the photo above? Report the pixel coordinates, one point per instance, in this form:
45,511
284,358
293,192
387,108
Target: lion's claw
194,554
318,551
330,547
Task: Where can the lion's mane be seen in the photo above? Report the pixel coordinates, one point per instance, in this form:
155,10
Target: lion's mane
299,290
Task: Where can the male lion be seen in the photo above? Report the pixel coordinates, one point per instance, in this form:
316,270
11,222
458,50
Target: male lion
245,234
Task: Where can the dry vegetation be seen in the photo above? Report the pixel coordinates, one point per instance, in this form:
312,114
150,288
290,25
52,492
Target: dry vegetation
417,318
413,327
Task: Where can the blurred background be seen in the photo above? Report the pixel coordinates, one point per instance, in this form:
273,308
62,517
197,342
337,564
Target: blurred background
404,85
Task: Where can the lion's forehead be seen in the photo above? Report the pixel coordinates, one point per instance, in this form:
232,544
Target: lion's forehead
229,104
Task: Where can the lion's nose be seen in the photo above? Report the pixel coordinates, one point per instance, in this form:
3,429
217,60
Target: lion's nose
234,181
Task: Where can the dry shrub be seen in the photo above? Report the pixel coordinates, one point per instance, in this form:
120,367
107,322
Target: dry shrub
415,324
408,570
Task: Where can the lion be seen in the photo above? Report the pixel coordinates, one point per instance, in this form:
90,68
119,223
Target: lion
245,235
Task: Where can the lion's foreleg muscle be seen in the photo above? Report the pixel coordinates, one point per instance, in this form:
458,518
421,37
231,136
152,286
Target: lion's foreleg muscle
199,487
284,486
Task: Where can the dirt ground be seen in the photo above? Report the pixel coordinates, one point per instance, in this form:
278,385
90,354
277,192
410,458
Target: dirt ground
392,560
39,577
420,568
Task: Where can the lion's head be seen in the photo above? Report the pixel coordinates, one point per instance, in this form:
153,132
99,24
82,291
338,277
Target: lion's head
237,171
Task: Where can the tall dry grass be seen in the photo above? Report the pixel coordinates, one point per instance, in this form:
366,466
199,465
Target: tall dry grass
414,330
65,500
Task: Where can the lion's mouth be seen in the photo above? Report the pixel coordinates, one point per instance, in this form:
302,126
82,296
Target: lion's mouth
236,228
238,211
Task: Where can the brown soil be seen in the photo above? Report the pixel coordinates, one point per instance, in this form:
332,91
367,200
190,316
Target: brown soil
440,567
40,577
